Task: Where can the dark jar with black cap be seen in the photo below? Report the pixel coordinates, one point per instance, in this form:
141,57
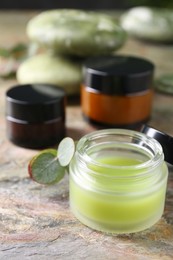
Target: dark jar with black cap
117,90
35,115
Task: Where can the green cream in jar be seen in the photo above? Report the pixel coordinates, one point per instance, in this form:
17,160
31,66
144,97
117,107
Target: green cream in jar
118,181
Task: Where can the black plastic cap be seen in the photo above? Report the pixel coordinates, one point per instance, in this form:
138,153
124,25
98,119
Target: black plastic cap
119,75
35,103
165,140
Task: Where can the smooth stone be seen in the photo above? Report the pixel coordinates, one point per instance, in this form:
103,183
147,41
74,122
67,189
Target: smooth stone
76,32
154,24
64,72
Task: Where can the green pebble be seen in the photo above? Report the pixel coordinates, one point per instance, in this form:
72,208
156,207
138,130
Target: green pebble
76,32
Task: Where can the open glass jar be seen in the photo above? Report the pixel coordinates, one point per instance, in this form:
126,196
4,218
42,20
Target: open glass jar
118,181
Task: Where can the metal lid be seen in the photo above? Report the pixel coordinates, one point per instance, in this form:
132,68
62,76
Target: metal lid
120,75
35,102
164,139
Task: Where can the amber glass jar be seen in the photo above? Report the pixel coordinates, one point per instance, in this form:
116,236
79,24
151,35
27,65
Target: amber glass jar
117,91
35,115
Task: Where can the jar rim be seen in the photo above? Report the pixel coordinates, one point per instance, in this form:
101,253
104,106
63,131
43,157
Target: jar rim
155,159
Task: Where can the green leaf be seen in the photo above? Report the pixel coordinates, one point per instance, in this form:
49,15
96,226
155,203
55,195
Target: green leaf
5,52
15,51
66,151
165,84
45,168
49,166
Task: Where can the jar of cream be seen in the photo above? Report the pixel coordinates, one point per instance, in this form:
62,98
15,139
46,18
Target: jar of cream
35,115
118,181
117,91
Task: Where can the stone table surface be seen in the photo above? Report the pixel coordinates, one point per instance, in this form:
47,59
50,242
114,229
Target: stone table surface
35,220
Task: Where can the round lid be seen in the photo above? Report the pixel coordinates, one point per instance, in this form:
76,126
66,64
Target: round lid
118,74
35,102
165,140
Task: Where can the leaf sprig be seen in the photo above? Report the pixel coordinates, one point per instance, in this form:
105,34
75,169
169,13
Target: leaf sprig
49,166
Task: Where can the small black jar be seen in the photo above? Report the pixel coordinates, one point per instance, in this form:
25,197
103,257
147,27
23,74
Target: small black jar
35,115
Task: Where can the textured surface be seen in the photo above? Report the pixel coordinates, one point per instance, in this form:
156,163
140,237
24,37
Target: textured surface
35,220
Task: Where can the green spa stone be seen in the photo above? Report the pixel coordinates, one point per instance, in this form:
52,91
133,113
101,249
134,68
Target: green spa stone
76,32
63,71
149,23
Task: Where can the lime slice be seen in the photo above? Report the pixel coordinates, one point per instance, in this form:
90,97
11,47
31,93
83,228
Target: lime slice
45,167
66,151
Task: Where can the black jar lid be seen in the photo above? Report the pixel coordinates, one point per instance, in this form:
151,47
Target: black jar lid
120,75
35,103
164,139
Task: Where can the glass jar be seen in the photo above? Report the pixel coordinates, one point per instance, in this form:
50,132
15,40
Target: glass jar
118,181
116,89
35,115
